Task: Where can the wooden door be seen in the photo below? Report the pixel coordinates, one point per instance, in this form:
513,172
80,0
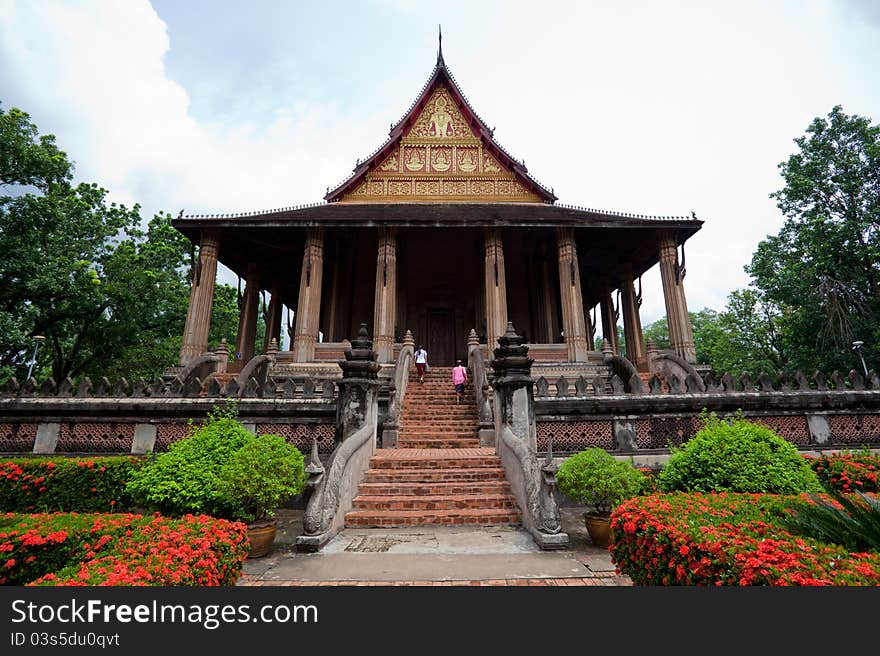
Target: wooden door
441,337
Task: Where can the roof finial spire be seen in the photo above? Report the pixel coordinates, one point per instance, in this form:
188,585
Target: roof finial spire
440,61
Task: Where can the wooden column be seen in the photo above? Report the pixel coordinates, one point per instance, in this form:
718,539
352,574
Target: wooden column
573,320
681,337
496,289
250,306
273,317
201,299
632,323
308,308
385,313
609,321
548,315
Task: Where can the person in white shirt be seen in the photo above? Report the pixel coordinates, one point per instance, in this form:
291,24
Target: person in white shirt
421,362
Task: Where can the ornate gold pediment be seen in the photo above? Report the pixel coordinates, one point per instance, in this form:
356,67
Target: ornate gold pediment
440,158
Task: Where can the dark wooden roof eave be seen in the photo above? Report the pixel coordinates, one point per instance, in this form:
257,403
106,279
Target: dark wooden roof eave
461,215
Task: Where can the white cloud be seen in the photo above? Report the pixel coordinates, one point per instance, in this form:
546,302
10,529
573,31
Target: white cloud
656,108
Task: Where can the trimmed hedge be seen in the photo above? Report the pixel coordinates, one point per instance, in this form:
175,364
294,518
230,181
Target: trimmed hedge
848,471
726,539
121,549
736,455
56,484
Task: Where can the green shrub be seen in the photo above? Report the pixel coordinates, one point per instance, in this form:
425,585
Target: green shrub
737,456
261,475
58,484
850,520
184,479
598,480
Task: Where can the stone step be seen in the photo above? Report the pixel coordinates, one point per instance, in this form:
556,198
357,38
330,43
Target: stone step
434,475
427,432
434,488
439,443
437,502
438,459
480,516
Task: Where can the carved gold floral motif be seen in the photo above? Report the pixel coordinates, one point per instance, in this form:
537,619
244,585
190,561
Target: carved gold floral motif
399,187
427,187
390,164
455,187
467,160
440,118
414,159
483,187
490,165
441,159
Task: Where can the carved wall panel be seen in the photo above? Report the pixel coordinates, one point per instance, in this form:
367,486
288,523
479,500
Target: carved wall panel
17,438
300,435
855,430
97,437
575,435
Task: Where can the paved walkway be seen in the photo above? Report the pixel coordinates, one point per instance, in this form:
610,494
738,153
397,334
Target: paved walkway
434,556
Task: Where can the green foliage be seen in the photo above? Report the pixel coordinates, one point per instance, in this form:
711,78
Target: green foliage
57,484
821,272
109,296
263,474
595,478
185,479
850,520
737,456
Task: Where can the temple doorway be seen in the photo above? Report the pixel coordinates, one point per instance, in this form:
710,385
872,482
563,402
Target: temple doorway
441,336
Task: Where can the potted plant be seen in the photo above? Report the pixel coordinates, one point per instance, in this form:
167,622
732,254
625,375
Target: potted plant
600,482
258,478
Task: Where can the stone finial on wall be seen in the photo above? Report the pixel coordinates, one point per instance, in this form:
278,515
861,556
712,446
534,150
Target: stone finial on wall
542,387
617,385
562,387
121,388
856,380
728,383
408,338
764,382
49,388
675,386
580,386
84,389
838,380
473,341
598,385
65,389
655,384
30,387
11,387
821,383
747,383
801,381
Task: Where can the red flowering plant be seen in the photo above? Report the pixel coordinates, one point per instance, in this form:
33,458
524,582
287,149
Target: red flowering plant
123,549
726,539
848,471
59,484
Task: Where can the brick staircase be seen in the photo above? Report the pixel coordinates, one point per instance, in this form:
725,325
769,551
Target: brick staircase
438,474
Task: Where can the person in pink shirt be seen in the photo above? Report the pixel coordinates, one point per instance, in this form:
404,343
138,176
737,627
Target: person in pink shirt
459,379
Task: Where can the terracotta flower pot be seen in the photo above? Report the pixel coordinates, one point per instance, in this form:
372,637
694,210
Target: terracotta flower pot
599,528
261,536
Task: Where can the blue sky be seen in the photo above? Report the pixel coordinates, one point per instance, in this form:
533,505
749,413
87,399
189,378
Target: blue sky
647,107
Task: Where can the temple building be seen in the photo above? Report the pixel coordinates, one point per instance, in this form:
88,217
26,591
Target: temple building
441,231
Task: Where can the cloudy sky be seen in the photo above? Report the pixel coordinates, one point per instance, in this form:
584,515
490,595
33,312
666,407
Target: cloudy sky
647,107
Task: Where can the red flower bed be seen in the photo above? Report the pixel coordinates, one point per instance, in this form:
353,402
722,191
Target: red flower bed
123,549
725,539
60,484
848,471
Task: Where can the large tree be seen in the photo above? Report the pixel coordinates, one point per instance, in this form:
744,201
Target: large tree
109,295
821,272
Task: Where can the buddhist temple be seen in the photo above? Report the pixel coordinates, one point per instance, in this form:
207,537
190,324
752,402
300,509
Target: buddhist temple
441,231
